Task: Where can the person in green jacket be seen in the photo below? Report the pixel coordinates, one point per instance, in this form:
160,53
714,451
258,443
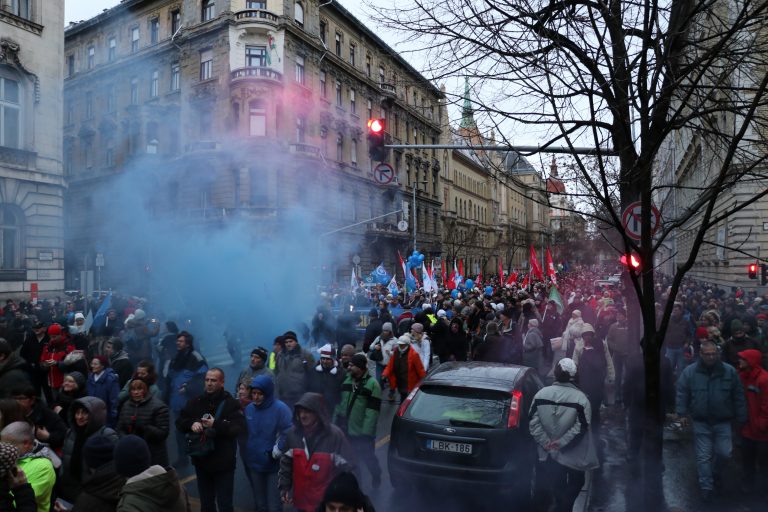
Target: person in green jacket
147,488
38,468
358,413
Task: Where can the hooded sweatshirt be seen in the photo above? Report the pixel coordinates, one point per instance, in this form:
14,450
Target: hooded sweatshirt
311,461
154,490
755,381
268,425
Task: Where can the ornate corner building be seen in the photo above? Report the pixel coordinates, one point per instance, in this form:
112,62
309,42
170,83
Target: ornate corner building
31,181
242,109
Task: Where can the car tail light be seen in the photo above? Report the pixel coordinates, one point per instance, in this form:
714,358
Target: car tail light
514,409
406,402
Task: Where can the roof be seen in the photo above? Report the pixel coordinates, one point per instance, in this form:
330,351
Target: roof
515,163
477,374
555,186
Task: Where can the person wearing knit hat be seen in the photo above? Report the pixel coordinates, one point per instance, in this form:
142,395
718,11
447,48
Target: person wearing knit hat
257,366
404,370
357,413
147,488
343,493
101,488
327,377
16,494
754,434
736,343
292,370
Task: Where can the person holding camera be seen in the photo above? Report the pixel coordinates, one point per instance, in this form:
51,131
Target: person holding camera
16,495
268,421
212,422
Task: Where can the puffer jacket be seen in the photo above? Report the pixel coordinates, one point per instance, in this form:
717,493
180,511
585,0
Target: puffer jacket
312,461
291,374
107,388
268,425
186,375
561,412
97,421
714,396
226,428
360,405
101,490
755,381
149,419
154,490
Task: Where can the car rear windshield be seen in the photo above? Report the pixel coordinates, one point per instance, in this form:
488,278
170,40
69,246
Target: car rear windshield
460,406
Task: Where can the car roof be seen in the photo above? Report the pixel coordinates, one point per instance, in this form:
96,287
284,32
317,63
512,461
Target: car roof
478,374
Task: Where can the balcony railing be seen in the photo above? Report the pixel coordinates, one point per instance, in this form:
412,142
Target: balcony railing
256,18
257,72
305,149
388,89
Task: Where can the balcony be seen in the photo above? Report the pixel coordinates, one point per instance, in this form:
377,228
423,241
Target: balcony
385,229
256,73
305,150
388,90
18,157
256,20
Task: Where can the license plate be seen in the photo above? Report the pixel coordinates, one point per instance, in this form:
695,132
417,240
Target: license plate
449,446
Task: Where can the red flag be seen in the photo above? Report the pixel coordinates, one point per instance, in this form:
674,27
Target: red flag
525,281
551,267
402,265
461,268
512,279
479,279
451,283
535,267
501,272
442,272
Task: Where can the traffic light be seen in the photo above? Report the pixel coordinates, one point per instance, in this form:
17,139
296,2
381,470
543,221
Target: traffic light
633,262
752,270
376,136
763,274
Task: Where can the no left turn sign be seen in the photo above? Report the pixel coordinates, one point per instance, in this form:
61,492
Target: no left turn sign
383,174
630,219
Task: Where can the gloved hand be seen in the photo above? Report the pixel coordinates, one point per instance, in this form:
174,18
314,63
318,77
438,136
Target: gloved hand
276,453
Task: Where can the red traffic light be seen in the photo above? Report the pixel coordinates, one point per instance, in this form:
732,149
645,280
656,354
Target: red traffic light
376,126
752,268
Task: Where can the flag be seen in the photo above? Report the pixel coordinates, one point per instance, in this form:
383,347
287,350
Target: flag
88,321
451,283
442,272
555,296
479,280
551,268
402,265
461,268
425,279
353,281
380,274
501,272
535,267
525,281
512,279
270,48
392,286
99,320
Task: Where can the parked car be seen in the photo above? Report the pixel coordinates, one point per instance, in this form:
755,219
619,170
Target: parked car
466,426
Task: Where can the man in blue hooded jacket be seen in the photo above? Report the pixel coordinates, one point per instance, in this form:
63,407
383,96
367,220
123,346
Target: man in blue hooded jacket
267,420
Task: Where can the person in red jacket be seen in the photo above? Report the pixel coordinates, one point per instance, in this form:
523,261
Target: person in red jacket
755,430
52,358
404,370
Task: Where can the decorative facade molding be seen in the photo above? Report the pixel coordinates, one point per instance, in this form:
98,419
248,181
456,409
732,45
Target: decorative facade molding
9,55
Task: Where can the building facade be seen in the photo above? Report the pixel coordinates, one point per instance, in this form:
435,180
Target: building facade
240,109
31,180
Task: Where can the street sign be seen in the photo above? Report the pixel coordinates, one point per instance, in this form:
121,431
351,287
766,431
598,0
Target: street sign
99,259
630,219
383,173
402,225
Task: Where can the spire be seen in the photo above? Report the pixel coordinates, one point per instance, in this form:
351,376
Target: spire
467,115
553,168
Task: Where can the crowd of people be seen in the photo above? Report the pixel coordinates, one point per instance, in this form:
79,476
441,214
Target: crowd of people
91,419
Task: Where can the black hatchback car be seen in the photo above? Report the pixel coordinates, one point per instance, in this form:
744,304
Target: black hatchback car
466,426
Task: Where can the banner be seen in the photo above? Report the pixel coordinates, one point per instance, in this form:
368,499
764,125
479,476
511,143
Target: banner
535,266
554,295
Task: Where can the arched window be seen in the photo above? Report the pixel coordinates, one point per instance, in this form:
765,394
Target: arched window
10,238
298,14
11,95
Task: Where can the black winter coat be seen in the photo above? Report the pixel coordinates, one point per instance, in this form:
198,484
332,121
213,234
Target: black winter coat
149,419
229,425
42,416
101,491
22,499
13,373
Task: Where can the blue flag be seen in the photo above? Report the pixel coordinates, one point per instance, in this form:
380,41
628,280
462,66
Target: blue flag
99,320
380,275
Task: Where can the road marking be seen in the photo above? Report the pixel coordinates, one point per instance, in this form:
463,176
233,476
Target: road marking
381,442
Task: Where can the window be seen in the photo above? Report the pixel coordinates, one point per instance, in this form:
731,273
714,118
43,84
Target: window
353,152
154,84
301,129
381,75
175,21
352,103
338,44
255,56
91,57
109,157
255,4
134,91
298,14
368,66
300,69
134,39
258,118
70,65
323,85
70,114
111,104
88,152
10,238
352,49
111,49
340,148
10,113
175,77
370,109
338,93
89,105
323,31
154,30
21,8
207,11
206,64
